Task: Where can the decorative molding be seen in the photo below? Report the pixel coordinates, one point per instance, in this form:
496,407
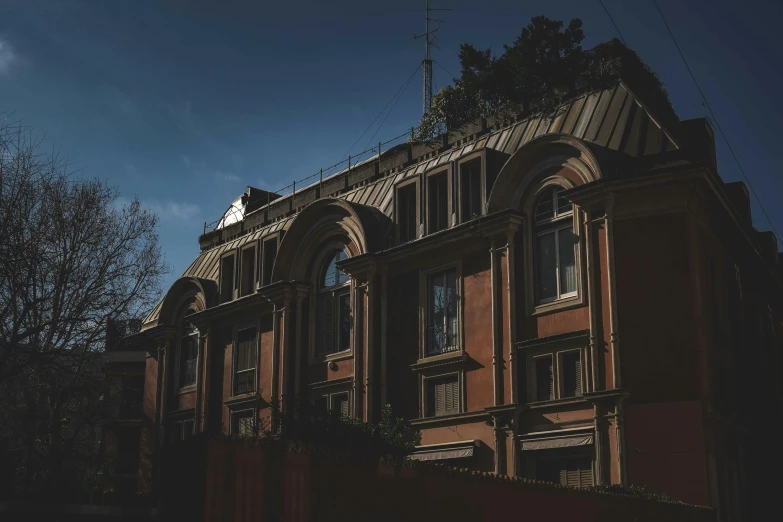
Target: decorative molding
581,335
455,358
457,418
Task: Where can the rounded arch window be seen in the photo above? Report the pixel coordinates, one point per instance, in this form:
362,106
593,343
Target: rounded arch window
555,246
333,307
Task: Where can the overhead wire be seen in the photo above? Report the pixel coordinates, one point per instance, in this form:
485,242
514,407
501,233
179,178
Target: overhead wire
614,24
404,85
717,124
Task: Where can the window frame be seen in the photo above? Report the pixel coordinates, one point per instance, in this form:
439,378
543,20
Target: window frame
480,157
239,413
262,258
417,218
328,390
434,172
425,381
533,232
534,460
326,253
234,344
424,307
221,292
251,245
556,353
178,358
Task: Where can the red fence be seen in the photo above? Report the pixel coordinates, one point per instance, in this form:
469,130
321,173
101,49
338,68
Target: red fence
230,480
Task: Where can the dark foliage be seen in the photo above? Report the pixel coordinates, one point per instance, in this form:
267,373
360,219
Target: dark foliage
545,66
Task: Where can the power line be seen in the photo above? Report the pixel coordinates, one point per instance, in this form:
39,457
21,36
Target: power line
392,108
382,110
612,20
717,124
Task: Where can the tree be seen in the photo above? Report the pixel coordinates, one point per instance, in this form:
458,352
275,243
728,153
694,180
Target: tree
544,66
71,258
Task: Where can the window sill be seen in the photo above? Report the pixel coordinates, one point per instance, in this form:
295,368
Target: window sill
559,305
187,389
427,422
444,359
338,356
241,399
557,402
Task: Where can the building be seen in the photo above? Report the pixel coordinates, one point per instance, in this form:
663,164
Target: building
123,398
575,297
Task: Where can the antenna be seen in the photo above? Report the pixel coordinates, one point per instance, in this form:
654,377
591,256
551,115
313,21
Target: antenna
430,39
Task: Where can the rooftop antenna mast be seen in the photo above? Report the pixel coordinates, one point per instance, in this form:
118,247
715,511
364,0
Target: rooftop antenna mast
430,39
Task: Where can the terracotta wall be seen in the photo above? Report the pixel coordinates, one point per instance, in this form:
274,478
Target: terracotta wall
234,481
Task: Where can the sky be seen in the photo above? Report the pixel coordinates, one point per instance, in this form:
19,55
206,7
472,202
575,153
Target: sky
184,103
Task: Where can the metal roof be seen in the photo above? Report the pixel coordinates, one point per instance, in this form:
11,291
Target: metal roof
613,118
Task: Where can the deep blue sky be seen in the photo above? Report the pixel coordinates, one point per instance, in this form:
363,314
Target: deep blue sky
185,102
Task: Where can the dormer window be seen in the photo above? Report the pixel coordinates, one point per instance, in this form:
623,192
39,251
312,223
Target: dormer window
555,247
438,202
248,271
472,203
407,212
227,278
333,308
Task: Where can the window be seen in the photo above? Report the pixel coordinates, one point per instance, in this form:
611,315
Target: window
556,375
555,247
248,271
180,430
442,333
545,388
407,220
188,355
470,189
227,279
571,371
575,471
270,252
132,396
333,308
438,202
245,361
243,423
340,405
443,396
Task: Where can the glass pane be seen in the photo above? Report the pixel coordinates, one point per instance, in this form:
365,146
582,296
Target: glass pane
345,321
571,374
567,246
188,354
451,310
333,276
547,267
437,313
545,206
245,425
563,205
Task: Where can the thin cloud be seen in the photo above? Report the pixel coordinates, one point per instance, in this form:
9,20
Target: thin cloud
130,170
172,209
8,57
186,160
227,177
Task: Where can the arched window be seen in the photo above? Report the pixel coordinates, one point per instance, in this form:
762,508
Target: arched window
555,247
187,355
333,308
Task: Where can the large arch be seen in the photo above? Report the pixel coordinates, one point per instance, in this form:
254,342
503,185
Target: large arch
361,228
545,153
191,292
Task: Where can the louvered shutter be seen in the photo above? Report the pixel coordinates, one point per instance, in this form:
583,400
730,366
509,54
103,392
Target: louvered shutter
452,395
440,398
586,476
578,377
344,407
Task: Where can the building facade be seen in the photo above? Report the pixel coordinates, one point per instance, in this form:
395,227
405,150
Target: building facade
574,297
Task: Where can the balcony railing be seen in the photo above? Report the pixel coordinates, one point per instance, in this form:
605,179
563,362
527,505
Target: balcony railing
245,381
442,338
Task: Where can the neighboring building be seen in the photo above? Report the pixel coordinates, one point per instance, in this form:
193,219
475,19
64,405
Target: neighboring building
576,298
124,396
